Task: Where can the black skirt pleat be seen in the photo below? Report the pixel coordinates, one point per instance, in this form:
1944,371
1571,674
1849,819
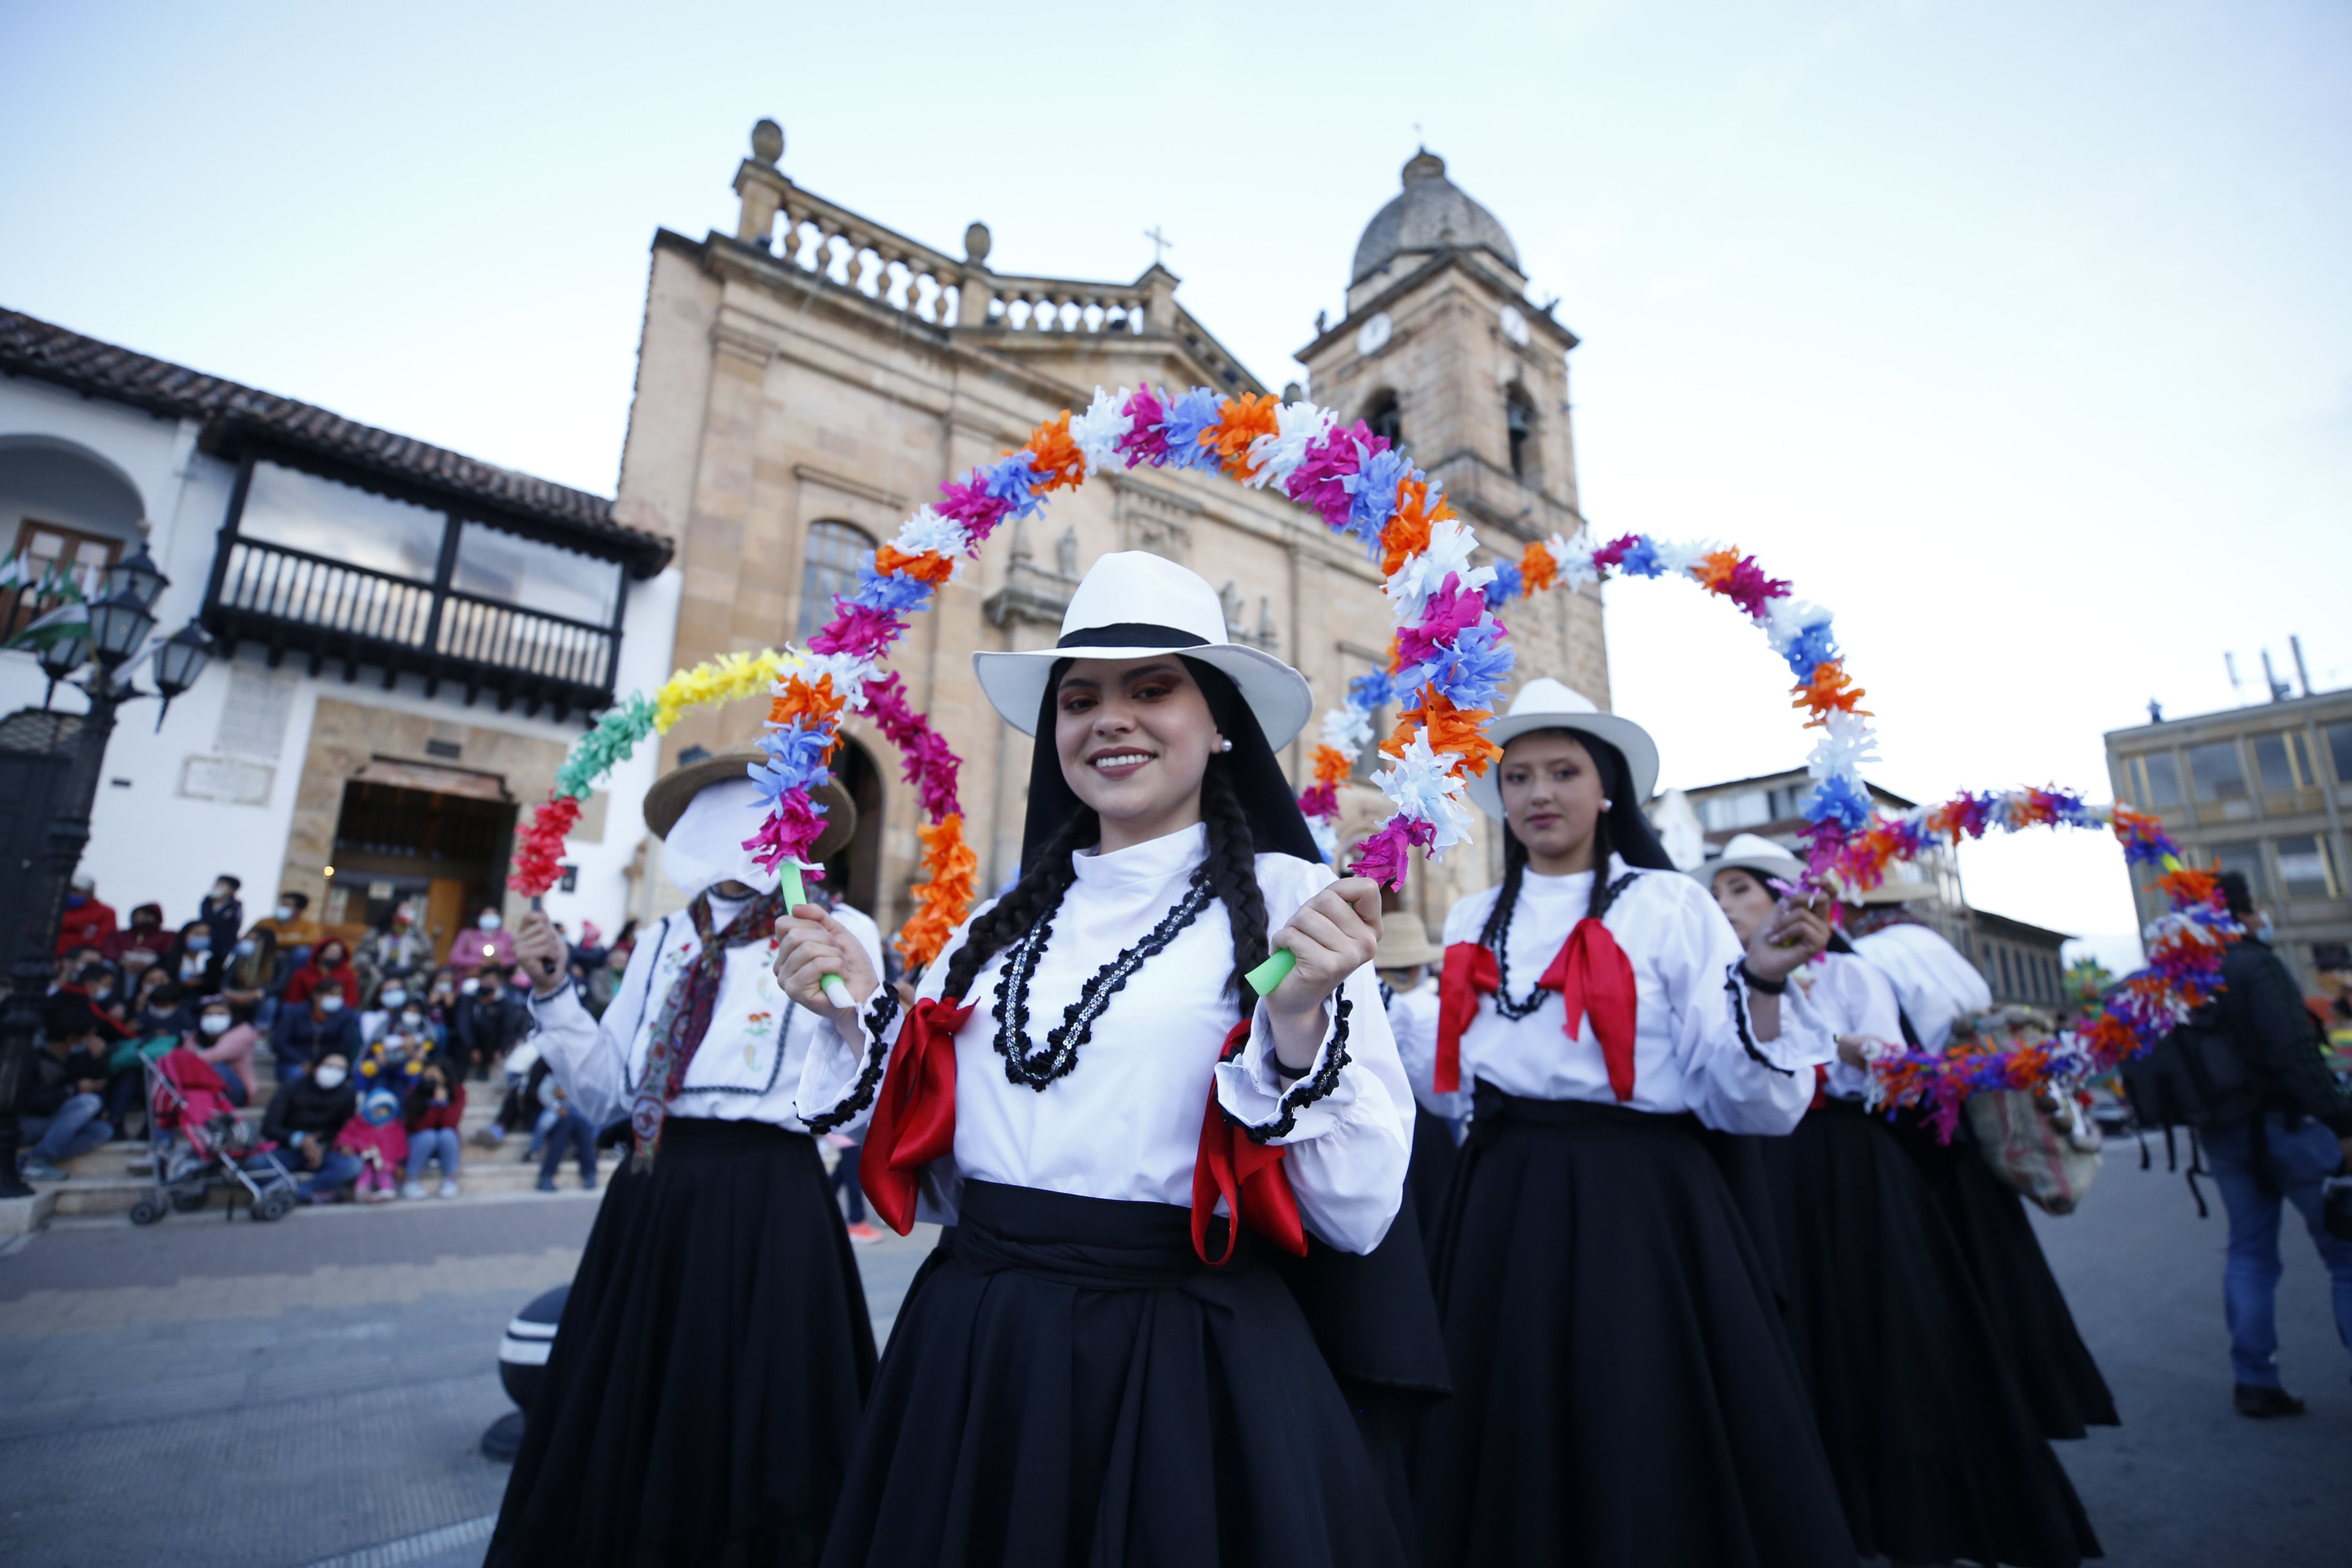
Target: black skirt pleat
1936,1451
1624,1391
708,1374
2029,1311
1429,1177
1071,1386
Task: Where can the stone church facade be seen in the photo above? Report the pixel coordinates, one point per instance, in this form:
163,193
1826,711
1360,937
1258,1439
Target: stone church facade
804,383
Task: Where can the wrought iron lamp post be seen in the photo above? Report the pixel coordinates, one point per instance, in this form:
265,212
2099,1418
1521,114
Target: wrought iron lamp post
120,622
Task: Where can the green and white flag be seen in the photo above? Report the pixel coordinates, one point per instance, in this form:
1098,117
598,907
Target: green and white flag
67,621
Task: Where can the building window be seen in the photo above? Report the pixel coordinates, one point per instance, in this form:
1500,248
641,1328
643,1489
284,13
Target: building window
2154,780
1520,424
342,524
2282,762
2304,868
45,552
535,576
2217,771
830,568
1382,417
2340,746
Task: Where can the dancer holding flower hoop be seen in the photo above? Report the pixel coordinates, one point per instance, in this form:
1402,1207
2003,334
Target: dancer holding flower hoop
1624,1391
1102,1365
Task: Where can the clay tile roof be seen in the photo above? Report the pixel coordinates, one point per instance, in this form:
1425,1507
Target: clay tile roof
32,347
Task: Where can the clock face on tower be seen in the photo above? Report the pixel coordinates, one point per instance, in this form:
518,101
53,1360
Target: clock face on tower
1373,335
1515,325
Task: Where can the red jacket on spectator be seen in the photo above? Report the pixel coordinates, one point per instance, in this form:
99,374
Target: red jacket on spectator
131,938
316,975
87,926
424,1114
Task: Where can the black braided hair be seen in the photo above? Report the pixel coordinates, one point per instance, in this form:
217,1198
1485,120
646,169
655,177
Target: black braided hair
1036,895
1604,843
1515,870
1233,872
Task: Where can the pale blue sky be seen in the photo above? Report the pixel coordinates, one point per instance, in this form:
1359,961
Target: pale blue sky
2015,333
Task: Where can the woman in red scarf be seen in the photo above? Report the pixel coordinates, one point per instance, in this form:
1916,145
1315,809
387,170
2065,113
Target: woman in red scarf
1624,1391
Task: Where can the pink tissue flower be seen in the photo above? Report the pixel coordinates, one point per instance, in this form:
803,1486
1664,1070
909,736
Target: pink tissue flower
1450,611
1386,855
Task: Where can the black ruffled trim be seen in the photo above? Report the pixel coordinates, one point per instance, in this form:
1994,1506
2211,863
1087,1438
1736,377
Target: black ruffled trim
1738,993
869,1077
1035,1069
1318,1085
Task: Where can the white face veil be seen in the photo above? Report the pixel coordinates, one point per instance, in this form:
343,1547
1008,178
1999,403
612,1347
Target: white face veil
706,845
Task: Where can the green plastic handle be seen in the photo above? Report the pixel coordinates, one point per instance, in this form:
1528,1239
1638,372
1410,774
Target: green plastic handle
1272,972
836,991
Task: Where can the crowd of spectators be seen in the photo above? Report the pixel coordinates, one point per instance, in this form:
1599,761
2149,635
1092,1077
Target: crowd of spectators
362,1050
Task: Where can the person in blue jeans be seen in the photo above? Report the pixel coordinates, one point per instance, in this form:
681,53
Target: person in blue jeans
60,1096
2301,1136
304,1119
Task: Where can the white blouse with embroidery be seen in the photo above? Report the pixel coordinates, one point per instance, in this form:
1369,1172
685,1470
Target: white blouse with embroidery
748,1066
1932,981
1695,1049
1125,1121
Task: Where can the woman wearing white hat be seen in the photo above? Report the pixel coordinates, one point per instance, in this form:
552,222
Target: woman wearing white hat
1624,1389
1099,1366
1935,1450
715,1349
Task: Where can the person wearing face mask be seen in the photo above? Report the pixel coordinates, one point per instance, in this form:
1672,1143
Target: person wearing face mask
386,1000
1935,1450
226,1046
160,1005
144,937
194,961
329,969
87,921
435,1109
289,924
320,1026
222,913
700,1409
398,951
1624,1388
1172,1199
486,941
304,1119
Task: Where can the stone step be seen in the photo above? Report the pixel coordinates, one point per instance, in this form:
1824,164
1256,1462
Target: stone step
483,1171
114,1159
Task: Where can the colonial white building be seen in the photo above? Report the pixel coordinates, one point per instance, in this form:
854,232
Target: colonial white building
409,641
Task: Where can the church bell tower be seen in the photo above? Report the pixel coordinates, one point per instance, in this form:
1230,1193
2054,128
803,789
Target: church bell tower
1441,352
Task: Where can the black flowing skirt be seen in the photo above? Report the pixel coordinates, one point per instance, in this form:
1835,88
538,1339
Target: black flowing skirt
1072,1385
1624,1389
2020,1295
704,1391
1936,1451
1429,1177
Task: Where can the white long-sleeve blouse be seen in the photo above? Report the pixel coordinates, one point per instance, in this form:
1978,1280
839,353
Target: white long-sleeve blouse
1851,997
1125,1121
1695,1049
1935,984
748,1066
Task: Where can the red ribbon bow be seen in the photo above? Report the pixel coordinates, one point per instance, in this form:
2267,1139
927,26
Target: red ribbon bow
1249,1175
1591,973
914,1116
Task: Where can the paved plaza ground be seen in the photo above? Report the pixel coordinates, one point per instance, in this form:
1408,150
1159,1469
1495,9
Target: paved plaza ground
314,1392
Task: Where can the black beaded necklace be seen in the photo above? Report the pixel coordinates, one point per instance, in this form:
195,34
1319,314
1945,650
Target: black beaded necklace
1514,1011
1037,1068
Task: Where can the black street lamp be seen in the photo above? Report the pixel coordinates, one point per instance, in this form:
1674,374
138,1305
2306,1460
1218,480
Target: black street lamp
119,626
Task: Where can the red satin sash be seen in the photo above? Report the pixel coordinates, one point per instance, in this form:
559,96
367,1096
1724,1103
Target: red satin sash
914,1124
914,1116
1249,1175
1591,973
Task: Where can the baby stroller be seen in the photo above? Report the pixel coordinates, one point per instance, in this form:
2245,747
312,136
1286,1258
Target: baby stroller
196,1141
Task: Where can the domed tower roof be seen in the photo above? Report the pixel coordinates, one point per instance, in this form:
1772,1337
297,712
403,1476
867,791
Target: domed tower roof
1432,212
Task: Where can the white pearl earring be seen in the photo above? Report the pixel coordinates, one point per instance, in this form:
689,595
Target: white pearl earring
1224,745
1608,805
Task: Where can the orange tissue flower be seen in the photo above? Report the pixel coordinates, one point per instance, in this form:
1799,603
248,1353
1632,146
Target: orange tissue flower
1053,454
1717,567
1829,690
815,704
930,566
941,901
1244,418
1459,730
1331,764
1537,570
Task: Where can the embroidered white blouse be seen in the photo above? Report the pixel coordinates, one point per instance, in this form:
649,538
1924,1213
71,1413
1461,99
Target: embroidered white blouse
1932,981
1852,998
1695,1049
1125,1121
748,1067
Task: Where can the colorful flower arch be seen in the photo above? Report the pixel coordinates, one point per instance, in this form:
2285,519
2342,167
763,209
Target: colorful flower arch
1849,848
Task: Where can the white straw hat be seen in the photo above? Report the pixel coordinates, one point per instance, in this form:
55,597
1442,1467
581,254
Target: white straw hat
1753,853
1544,703
1132,604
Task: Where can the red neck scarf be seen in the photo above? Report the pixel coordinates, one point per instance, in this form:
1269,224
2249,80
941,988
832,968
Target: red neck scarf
1591,973
914,1124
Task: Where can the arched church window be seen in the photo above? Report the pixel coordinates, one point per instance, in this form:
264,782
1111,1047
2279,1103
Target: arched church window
1382,417
829,568
1520,424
